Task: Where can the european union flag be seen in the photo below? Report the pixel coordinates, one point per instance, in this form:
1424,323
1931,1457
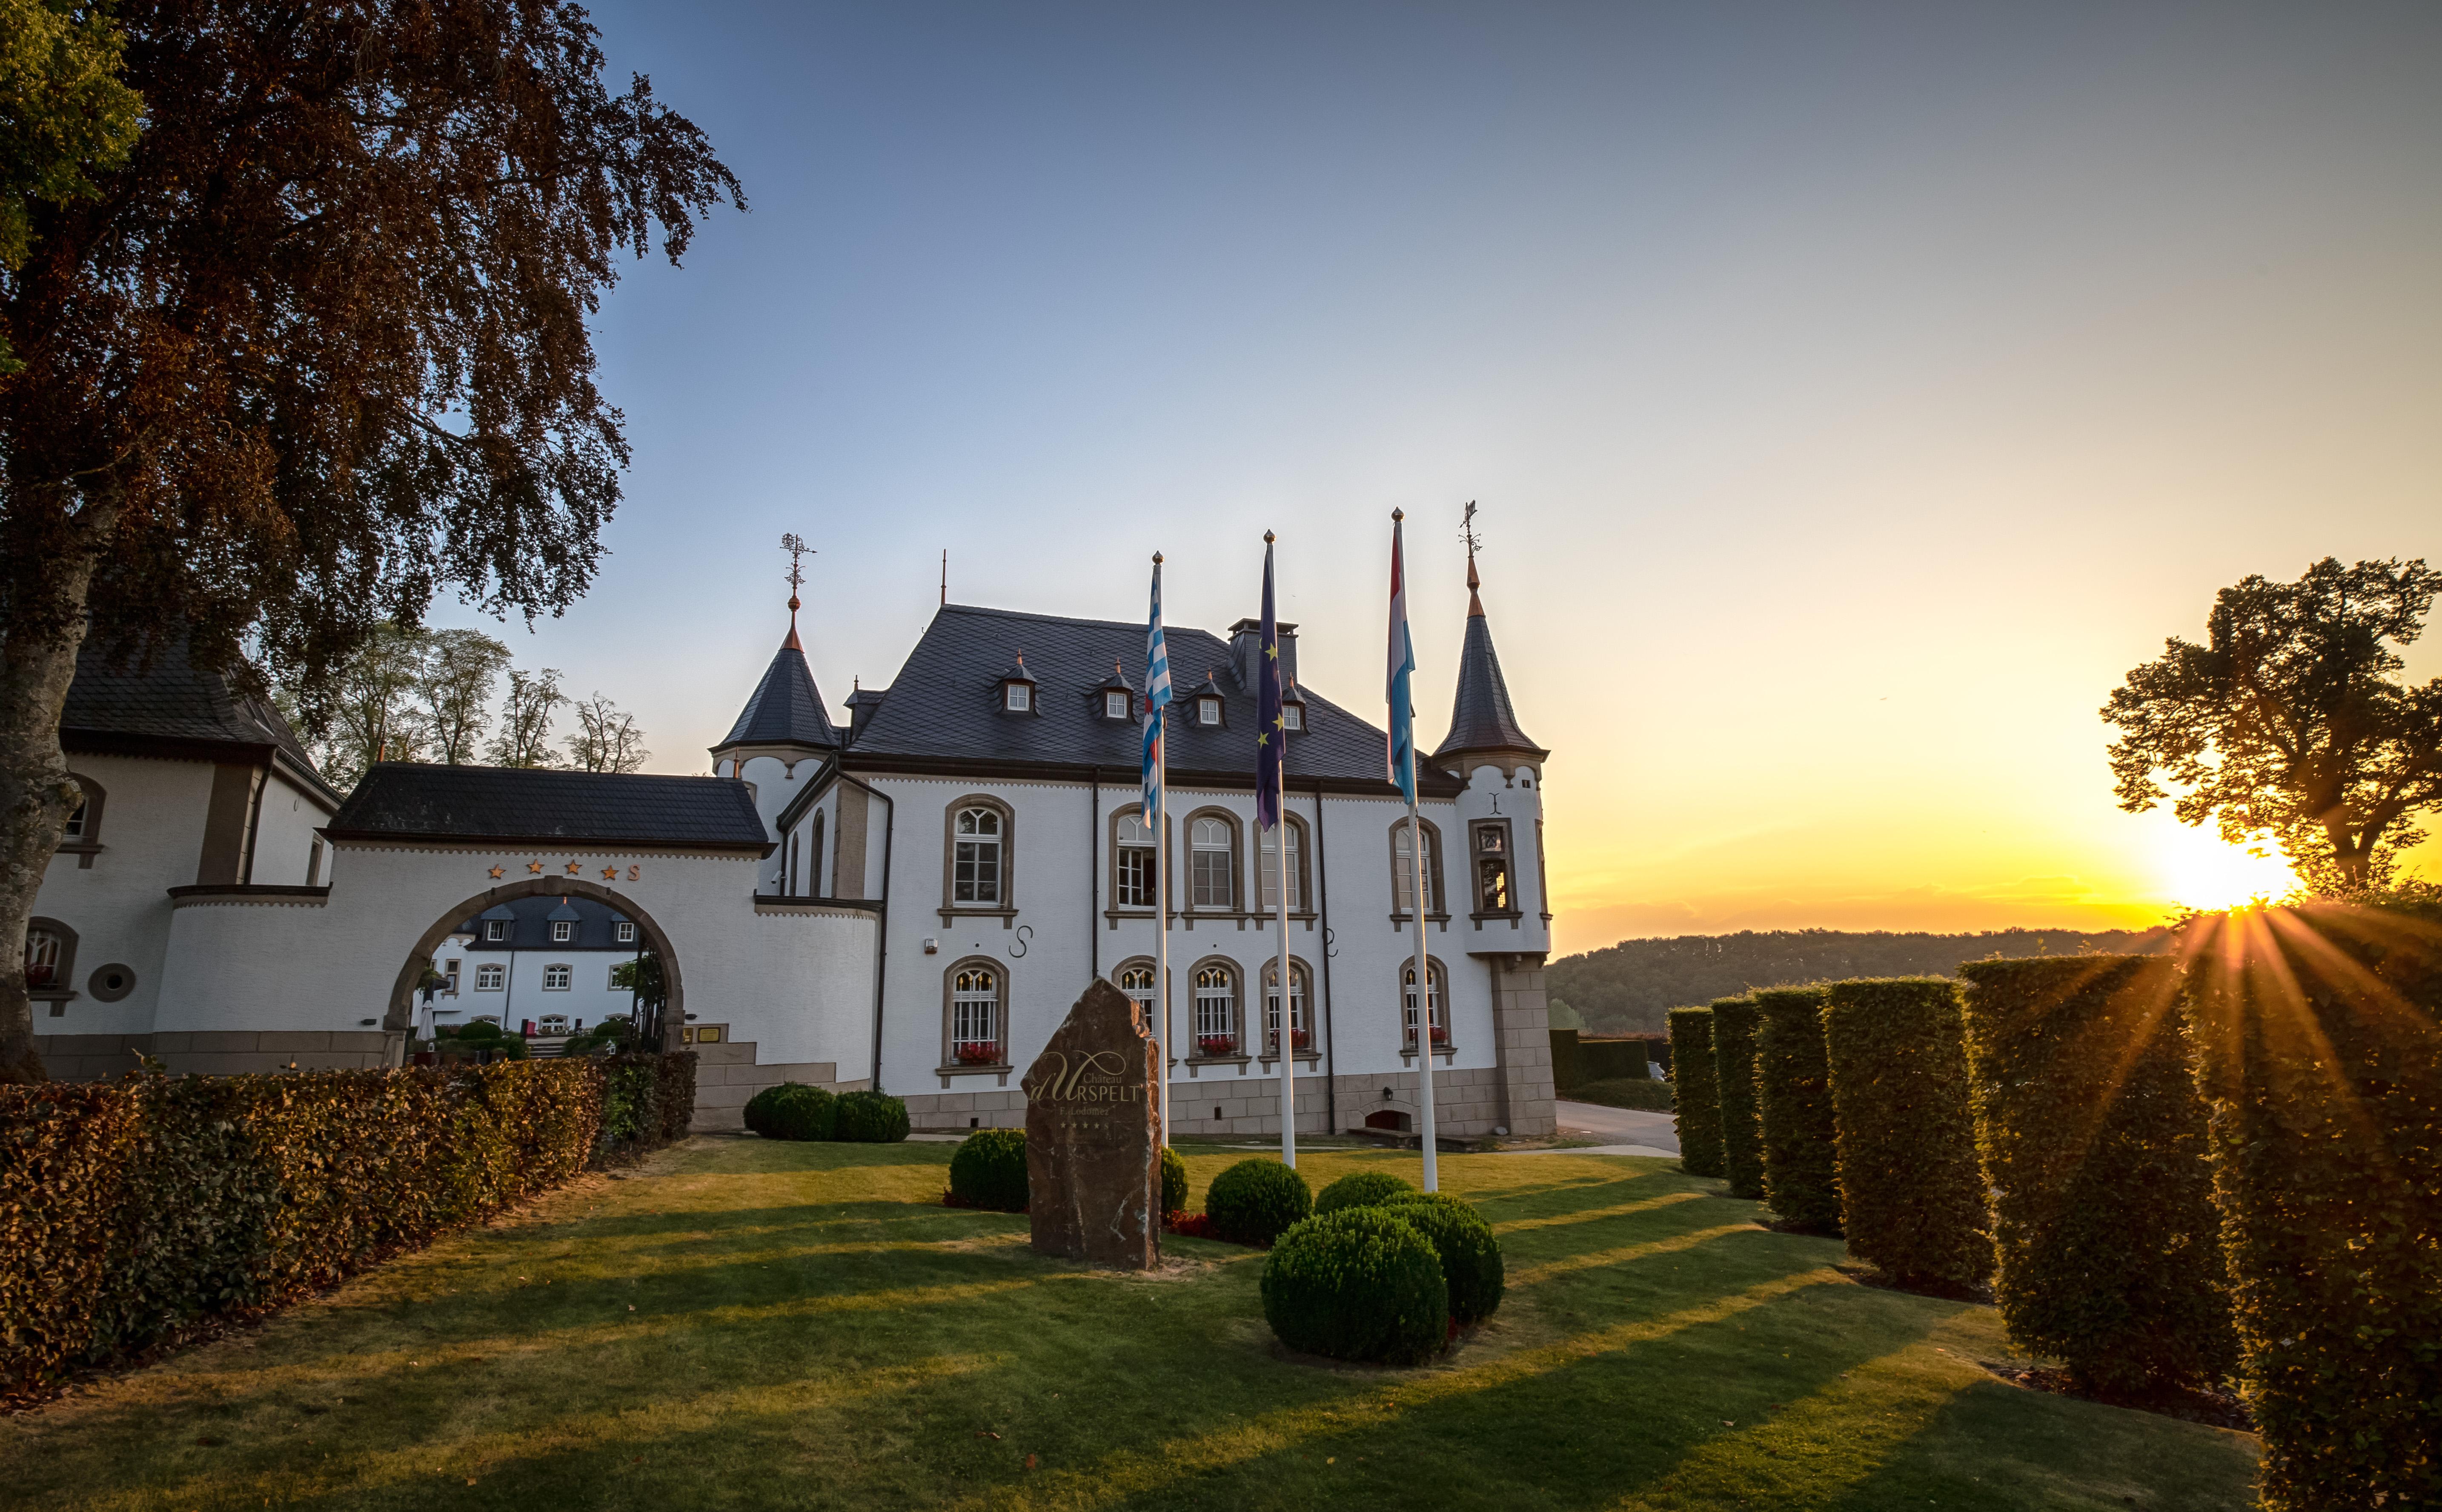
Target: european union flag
1272,733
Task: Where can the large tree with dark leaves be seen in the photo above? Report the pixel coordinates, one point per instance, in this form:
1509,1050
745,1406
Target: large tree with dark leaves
316,351
2291,722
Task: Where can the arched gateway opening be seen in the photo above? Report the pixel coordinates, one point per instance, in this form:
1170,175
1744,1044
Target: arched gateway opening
402,996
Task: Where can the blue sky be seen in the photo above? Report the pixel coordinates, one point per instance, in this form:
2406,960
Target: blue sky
1852,393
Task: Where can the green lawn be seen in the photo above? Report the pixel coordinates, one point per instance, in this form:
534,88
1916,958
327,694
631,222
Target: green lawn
753,1325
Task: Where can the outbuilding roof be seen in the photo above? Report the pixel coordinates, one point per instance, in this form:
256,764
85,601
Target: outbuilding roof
944,705
399,800
158,700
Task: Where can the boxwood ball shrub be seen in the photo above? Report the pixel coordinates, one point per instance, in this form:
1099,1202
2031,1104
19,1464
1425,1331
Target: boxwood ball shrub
1173,1181
1911,1187
758,1108
2317,1048
1698,1112
989,1170
869,1118
1255,1201
2109,1248
794,1111
1470,1252
1361,1189
1734,1090
1362,1284
1801,1159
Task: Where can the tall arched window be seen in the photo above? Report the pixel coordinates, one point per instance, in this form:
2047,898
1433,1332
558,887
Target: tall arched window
50,963
1217,1009
1211,846
1439,990
43,952
1135,980
1268,861
975,1013
1134,885
815,858
1300,1012
1403,870
975,865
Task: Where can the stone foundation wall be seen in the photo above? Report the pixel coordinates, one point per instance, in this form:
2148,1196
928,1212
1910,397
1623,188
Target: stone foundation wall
727,1075
1521,1033
103,1057
1467,1104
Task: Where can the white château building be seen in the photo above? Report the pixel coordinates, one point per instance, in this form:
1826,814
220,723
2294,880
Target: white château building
911,900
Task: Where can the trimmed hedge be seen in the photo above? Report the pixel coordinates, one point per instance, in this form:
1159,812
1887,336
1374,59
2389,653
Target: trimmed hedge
2319,1054
2093,1139
1470,1254
1362,1284
1256,1200
1692,1092
1734,1091
988,1170
1801,1157
1361,1189
1911,1187
794,1111
1174,1182
869,1118
129,1212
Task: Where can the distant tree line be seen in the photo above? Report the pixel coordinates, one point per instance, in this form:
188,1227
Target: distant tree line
1631,987
411,694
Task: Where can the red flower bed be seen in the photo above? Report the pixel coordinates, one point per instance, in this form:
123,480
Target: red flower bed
1194,1225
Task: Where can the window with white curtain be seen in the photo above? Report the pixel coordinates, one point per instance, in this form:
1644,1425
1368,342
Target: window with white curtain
1403,870
1214,877
1269,862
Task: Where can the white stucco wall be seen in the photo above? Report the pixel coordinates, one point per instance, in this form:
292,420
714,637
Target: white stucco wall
152,833
283,834
799,983
1515,793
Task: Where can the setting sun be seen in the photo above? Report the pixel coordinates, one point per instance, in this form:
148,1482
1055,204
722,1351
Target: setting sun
2201,870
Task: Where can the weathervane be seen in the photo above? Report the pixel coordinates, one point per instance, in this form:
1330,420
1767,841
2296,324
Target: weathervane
1467,533
795,546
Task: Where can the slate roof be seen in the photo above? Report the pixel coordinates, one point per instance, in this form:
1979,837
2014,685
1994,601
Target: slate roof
130,705
400,800
944,705
786,708
1481,717
596,925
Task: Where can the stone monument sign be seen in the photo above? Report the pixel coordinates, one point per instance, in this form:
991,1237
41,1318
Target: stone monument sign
1093,1137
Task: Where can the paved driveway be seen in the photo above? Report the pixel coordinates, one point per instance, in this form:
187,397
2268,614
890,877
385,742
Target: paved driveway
1648,1132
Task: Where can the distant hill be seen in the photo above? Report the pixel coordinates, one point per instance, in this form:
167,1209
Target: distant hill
1633,986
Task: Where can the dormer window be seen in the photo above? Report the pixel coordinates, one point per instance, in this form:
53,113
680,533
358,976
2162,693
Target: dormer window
563,930
1292,717
1115,705
1018,698
496,929
1208,710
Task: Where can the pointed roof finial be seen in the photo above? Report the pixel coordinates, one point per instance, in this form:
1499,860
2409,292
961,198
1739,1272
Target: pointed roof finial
1467,532
795,546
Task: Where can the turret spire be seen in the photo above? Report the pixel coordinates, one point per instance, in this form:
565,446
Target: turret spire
1481,717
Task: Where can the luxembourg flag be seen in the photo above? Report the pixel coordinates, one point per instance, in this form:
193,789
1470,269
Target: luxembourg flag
1157,699
1403,666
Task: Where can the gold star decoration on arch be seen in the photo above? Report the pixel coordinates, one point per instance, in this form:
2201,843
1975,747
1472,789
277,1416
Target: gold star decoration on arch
575,870
609,874
534,867
498,873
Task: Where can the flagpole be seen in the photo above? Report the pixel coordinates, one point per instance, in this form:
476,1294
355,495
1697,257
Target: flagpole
1403,664
1159,822
1424,999
1281,892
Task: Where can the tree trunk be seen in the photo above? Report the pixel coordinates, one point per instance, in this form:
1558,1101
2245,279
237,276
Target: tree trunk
37,663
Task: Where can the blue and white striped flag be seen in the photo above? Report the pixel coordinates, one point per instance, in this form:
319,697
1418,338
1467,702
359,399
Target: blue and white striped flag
1157,699
1403,666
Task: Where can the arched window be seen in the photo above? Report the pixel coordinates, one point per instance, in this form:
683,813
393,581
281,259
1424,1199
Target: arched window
1439,989
1268,863
979,858
83,835
1403,870
1135,979
1216,1009
554,978
1300,1011
814,857
1212,843
50,963
42,952
975,998
1134,884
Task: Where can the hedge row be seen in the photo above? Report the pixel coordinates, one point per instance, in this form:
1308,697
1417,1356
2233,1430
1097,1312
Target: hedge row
2093,1138
1911,1189
2316,1037
130,1211
796,1111
1801,1157
1734,1083
1695,1103
1577,1059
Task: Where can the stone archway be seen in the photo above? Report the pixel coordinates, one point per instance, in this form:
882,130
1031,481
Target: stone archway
402,995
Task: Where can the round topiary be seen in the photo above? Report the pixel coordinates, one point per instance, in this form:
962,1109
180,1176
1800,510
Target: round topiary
1470,1255
1360,1284
798,1112
1254,1201
759,1109
1366,1189
1173,1181
870,1117
989,1170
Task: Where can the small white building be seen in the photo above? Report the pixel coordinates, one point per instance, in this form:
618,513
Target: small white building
549,961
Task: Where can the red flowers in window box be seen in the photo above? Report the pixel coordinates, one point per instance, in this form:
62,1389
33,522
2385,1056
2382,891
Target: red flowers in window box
977,1052
1298,1038
1217,1044
38,976
1441,1035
